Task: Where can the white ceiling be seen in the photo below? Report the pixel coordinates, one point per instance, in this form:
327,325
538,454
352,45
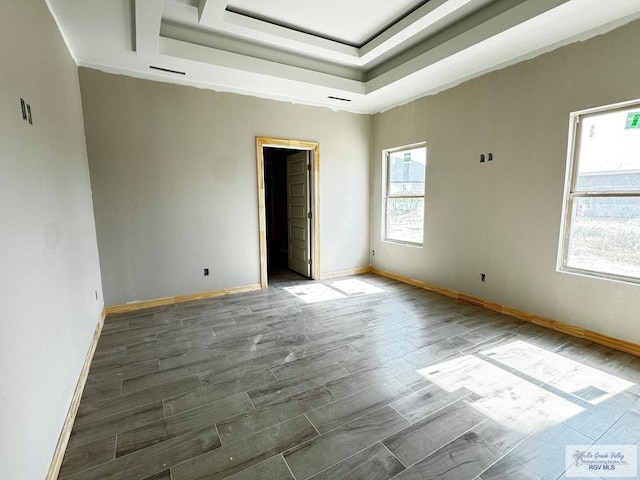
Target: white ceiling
374,53
352,22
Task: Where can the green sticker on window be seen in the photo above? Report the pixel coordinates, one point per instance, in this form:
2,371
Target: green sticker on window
407,157
633,120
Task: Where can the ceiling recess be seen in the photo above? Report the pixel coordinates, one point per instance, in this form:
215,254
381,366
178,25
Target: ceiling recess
375,53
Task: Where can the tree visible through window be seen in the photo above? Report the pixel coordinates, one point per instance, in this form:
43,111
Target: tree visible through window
404,194
601,230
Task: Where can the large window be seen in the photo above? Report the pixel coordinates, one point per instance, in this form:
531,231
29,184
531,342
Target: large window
601,226
405,170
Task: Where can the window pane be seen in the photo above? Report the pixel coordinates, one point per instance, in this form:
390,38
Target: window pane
609,151
405,219
605,235
406,171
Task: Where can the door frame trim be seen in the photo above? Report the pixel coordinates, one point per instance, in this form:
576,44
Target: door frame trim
314,147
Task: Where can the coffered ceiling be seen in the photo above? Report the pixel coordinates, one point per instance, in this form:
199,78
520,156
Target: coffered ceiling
357,55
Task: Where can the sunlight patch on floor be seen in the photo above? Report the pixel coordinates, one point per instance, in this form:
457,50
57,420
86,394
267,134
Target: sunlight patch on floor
319,292
572,377
504,397
314,292
354,287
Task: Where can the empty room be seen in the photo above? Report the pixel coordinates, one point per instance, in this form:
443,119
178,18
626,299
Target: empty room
319,240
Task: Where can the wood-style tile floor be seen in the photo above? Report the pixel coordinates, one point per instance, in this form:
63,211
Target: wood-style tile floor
354,378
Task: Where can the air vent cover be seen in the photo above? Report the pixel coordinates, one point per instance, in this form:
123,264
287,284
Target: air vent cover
166,70
338,98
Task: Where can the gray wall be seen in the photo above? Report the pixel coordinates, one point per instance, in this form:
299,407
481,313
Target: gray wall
49,269
173,171
503,217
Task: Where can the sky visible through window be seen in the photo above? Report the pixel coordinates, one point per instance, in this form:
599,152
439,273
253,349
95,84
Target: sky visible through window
609,142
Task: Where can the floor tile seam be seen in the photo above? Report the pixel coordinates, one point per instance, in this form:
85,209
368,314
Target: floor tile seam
126,344
383,361
164,409
254,433
202,405
353,394
118,351
335,399
633,357
381,442
218,434
158,352
607,430
134,329
488,339
450,441
172,326
356,418
187,434
488,466
189,364
281,455
562,475
120,432
119,412
222,368
405,418
166,341
464,397
312,424
115,449
78,472
604,368
594,441
531,434
335,463
278,379
101,372
154,385
397,377
199,382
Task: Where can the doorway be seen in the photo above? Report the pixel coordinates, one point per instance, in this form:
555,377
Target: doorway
288,204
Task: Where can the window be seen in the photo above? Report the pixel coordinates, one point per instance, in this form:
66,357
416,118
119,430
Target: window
405,170
601,225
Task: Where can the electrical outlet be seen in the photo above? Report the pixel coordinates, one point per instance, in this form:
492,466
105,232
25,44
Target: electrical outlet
482,158
206,272
483,277
373,253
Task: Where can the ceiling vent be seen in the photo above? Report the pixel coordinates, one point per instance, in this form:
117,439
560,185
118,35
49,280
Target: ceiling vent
166,70
340,99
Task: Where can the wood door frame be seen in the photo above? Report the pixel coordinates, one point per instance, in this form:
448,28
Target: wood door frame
314,148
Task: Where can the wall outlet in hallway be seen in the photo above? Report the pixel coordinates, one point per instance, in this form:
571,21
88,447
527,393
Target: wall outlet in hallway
206,272
483,277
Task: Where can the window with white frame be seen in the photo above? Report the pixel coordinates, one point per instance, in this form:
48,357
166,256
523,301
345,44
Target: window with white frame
404,191
601,225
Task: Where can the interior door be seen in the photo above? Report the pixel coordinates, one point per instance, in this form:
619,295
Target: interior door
298,209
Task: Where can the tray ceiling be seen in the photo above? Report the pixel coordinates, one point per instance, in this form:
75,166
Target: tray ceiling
358,55
353,22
